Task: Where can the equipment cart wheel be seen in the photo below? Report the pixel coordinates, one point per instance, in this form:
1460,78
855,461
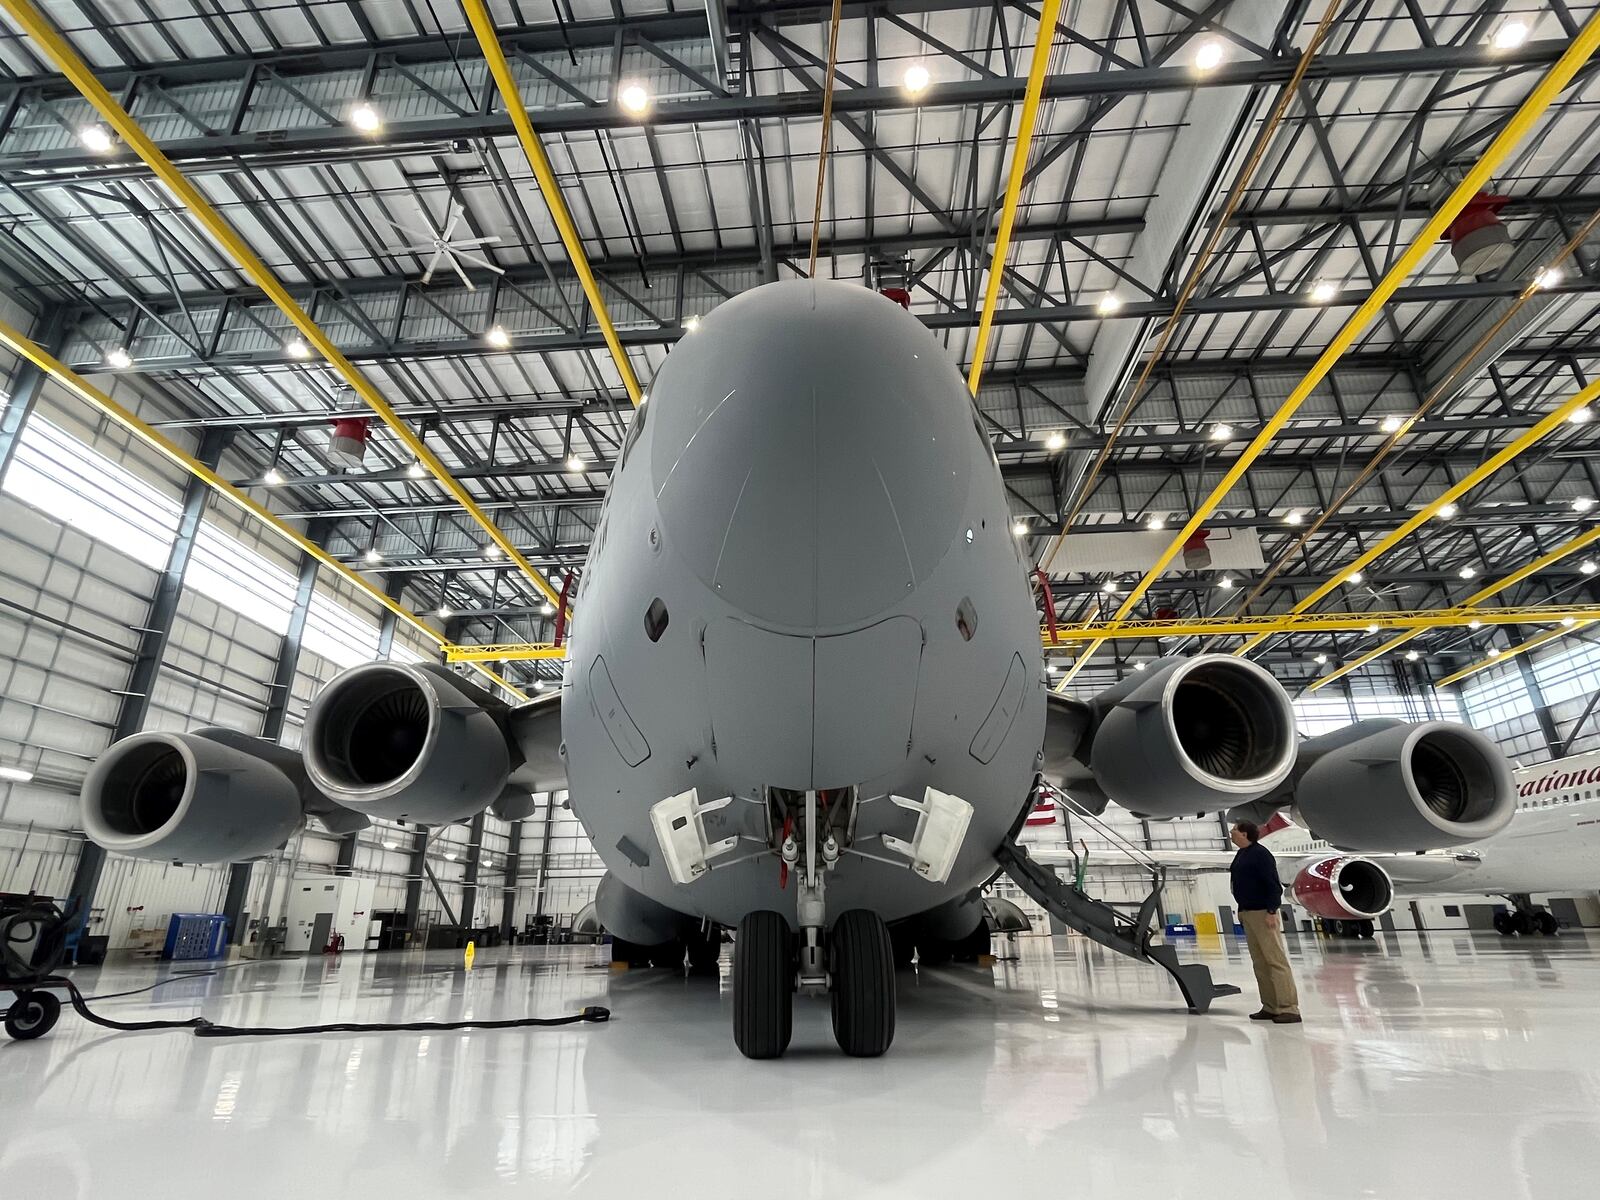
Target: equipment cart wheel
862,966
32,1015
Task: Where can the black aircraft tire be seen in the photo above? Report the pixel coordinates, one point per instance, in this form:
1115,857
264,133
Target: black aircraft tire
32,1015
1364,929
1502,924
763,985
1522,923
1332,927
1545,921
861,958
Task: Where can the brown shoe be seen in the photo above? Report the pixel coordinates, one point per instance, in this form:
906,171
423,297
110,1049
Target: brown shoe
1263,1015
1286,1019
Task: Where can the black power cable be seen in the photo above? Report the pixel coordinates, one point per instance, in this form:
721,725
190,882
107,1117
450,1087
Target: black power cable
40,927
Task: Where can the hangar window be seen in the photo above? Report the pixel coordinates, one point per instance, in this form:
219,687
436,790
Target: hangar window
655,620
966,619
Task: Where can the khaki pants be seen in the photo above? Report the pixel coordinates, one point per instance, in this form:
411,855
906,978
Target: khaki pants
1271,961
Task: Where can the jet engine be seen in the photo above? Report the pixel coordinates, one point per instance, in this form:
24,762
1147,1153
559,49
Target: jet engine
1384,784
412,743
1344,888
1190,734
213,795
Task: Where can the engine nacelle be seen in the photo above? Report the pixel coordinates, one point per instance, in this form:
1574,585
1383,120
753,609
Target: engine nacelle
1191,734
1384,784
208,796
1344,888
412,743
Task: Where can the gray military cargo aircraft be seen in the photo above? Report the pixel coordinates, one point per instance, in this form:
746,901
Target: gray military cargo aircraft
805,697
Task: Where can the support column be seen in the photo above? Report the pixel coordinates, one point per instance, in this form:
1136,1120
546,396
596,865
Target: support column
395,586
419,860
469,877
544,853
508,905
279,692
1541,710
26,384
153,638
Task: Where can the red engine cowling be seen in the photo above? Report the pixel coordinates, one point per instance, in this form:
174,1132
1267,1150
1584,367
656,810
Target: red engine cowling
1344,888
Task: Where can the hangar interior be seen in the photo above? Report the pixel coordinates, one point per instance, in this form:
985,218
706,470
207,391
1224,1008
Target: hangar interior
203,519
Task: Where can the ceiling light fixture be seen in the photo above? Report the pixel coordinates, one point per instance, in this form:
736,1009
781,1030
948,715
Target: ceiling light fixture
1109,587
374,555
119,359
1225,583
1221,433
365,118
1373,628
691,323
1474,623
1354,577
1319,659
1494,651
1293,517
634,98
273,477
296,348
1208,55
1510,35
1138,666
538,685
1548,278
547,610
492,550
1447,511
15,775
498,338
417,471
1108,304
1156,523
444,612
96,138
917,79
1468,572
1020,529
1588,566
1055,441
1412,656
1390,424
1569,622
1579,416
1324,292
575,465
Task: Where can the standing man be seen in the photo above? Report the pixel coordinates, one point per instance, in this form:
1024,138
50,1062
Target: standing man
1257,892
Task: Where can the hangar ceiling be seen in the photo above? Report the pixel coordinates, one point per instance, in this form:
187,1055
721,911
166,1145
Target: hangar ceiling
506,378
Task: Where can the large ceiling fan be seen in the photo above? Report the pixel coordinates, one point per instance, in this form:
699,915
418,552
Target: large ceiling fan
447,248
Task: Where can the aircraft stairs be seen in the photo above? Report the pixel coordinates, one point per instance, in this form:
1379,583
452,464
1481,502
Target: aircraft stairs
1112,928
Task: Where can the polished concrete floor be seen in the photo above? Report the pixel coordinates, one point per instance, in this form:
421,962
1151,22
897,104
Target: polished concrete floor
1450,1065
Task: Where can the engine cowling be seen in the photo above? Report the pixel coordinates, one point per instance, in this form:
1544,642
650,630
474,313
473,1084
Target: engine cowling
412,743
1388,785
1191,734
1344,888
206,796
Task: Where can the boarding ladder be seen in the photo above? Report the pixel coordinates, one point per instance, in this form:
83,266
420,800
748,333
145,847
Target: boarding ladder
1073,907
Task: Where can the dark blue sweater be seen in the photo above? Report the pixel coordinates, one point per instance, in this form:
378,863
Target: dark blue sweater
1254,874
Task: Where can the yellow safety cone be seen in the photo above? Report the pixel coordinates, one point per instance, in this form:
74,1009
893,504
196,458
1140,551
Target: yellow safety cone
472,950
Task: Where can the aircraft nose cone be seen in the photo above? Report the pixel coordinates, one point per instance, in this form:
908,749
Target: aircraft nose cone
812,453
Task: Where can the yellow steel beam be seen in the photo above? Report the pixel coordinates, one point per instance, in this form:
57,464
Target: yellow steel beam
60,52
1043,40
1202,627
511,652
1578,52
80,387
1532,643
489,42
1547,425
1427,618
1572,546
